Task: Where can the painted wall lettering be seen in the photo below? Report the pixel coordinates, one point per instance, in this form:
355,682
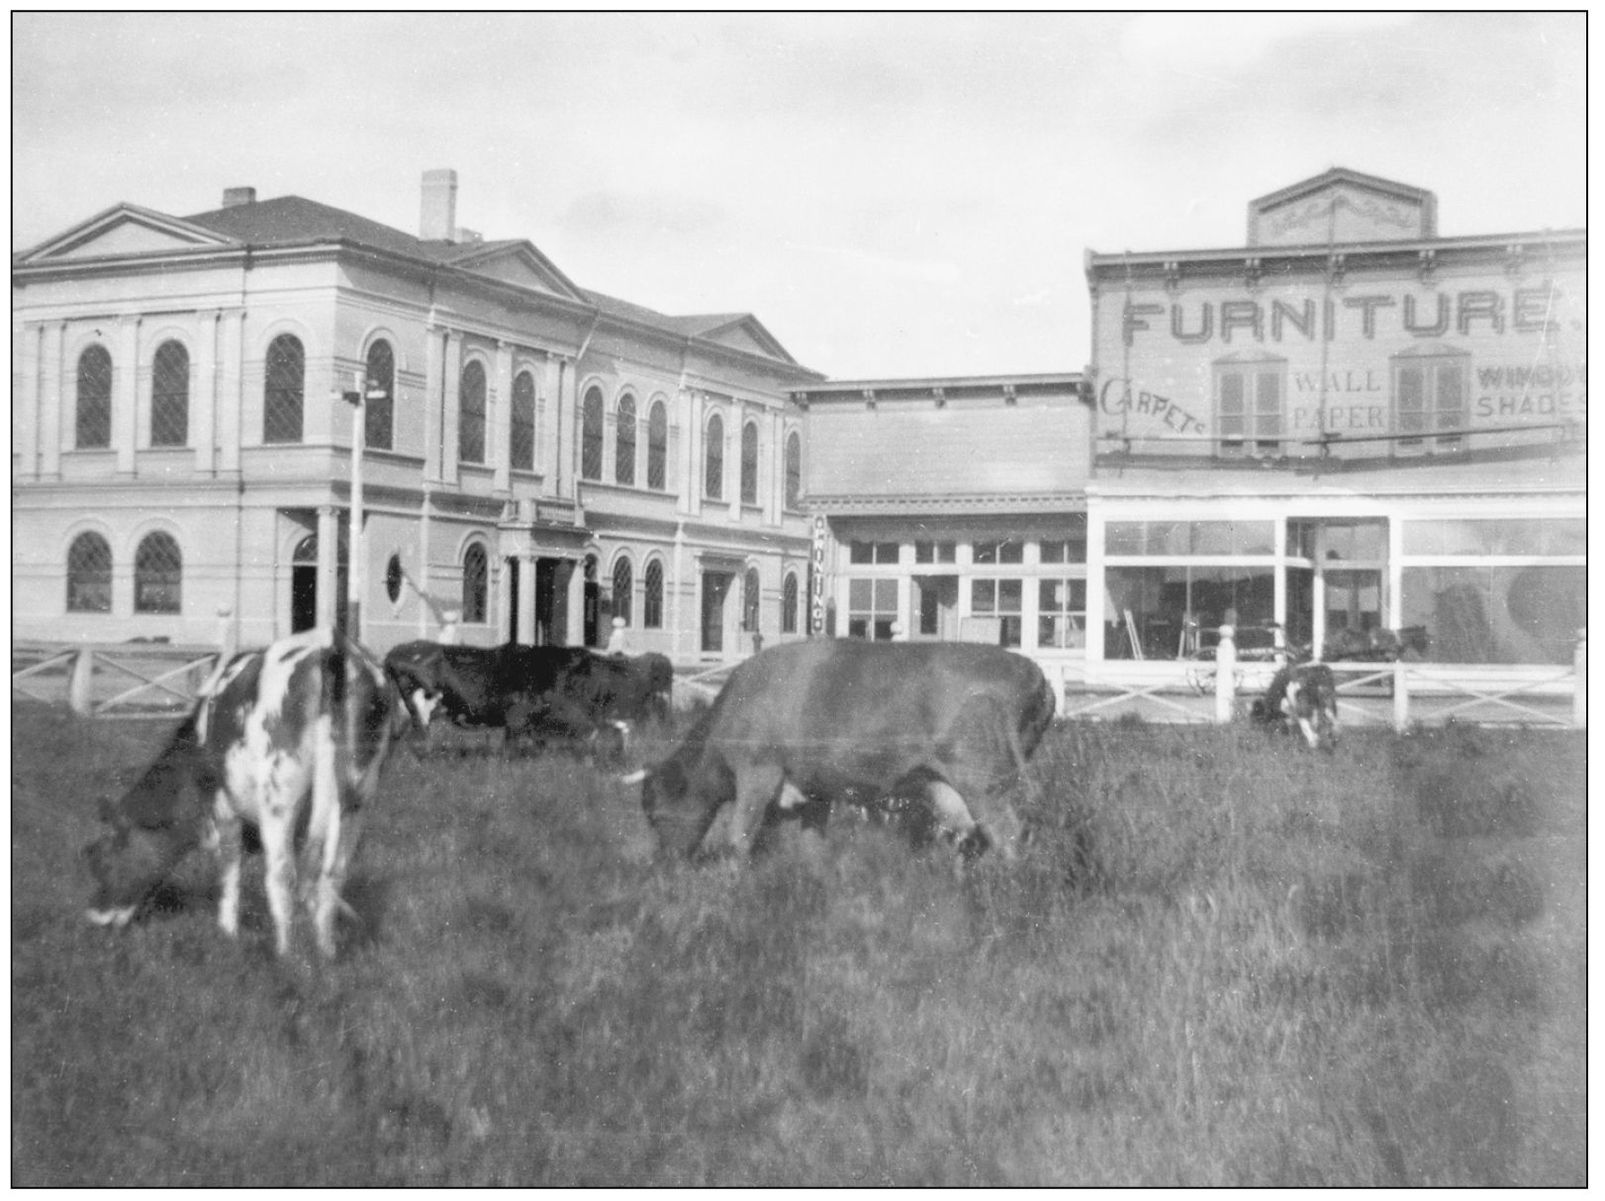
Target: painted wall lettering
1117,397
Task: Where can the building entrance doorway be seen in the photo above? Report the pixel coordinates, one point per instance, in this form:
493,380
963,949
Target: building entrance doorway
512,599
304,585
936,607
551,616
715,588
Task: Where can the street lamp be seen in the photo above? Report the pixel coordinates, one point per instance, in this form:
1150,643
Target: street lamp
355,558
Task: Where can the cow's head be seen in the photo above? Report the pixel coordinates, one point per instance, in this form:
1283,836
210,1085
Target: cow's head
1310,704
678,813
128,862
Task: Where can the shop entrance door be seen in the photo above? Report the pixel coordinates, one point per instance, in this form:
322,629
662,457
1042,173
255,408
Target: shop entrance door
936,607
715,588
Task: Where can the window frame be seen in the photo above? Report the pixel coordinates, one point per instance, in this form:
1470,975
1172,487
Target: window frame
652,595
749,462
521,423
793,470
169,395
713,457
159,582
1264,427
657,446
475,595
624,441
471,412
284,391
92,426
378,412
623,588
592,438
99,584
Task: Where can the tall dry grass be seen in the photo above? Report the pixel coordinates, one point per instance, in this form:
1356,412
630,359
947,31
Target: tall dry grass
1222,961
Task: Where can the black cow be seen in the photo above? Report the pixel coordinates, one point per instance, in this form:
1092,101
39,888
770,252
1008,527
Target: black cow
1376,645
290,737
1302,696
817,722
538,693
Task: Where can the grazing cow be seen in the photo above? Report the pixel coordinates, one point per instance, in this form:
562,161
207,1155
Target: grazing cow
1302,696
812,723
291,736
538,692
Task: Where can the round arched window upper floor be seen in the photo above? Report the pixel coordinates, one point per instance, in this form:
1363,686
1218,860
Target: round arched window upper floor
379,404
624,442
521,432
169,395
713,459
749,463
591,435
158,574
92,420
89,575
657,446
284,390
793,469
471,413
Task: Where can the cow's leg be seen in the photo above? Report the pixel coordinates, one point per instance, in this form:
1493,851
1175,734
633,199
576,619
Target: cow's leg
321,857
226,827
277,826
756,786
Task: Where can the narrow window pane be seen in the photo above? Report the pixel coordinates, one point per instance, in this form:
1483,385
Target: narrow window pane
623,590
652,600
591,435
749,464
284,390
713,460
471,414
378,411
93,426
624,442
793,470
158,575
89,575
476,579
657,447
521,431
169,396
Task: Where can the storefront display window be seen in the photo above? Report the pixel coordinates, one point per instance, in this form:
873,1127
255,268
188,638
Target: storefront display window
1001,599
871,609
1476,614
1061,613
1163,601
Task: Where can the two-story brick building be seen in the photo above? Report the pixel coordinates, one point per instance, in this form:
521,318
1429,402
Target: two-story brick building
538,458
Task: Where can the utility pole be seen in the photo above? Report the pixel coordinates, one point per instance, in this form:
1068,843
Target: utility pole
355,556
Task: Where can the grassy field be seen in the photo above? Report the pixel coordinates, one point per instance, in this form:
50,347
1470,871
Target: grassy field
1223,961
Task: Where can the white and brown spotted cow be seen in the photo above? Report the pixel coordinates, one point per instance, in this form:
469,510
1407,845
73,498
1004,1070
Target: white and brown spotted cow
299,730
1303,697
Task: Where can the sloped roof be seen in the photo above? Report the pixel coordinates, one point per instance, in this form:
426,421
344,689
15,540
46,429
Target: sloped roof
740,331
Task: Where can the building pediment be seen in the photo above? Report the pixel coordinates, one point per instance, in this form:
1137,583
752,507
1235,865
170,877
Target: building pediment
1341,205
123,230
518,263
746,333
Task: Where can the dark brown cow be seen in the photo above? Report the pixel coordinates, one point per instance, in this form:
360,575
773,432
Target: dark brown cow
288,736
818,722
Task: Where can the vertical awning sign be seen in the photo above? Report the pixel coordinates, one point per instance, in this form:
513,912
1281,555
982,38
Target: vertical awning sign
816,580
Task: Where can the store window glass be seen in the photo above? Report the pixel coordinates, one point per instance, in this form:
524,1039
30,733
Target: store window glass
1476,614
1002,599
871,609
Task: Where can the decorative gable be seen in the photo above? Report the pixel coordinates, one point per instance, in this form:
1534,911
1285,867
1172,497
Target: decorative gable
746,333
518,263
125,229
1342,206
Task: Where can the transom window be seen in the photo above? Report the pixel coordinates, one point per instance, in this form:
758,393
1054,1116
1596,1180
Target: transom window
1190,538
89,575
935,552
158,575
169,395
1003,550
284,390
521,435
872,552
471,414
378,411
1069,549
93,419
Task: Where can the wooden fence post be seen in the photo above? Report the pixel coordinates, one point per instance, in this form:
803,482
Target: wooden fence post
1580,685
448,631
1225,674
1401,698
81,681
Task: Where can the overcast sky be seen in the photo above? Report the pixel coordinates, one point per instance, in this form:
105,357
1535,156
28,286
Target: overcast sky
891,195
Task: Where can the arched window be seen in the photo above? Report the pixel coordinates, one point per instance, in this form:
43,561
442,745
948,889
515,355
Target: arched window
158,575
379,412
624,442
793,469
284,390
749,463
521,436
788,604
657,447
749,600
591,435
623,589
471,413
713,459
169,395
89,575
476,583
94,399
652,596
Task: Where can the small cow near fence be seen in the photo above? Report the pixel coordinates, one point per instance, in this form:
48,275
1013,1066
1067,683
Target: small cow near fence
291,735
1303,697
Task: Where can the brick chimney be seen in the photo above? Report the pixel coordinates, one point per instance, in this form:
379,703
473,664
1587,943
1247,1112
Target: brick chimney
234,197
437,221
